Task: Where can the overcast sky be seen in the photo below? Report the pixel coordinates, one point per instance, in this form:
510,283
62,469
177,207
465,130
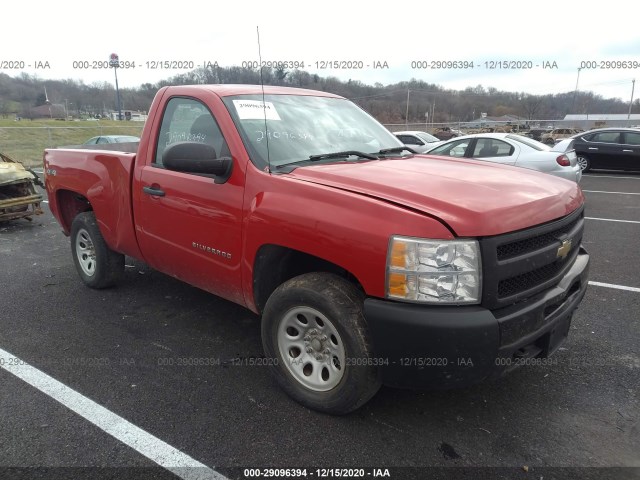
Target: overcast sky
532,32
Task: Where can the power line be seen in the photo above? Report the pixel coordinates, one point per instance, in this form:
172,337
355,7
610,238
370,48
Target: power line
615,82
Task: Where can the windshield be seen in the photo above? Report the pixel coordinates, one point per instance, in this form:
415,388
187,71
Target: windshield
427,137
298,127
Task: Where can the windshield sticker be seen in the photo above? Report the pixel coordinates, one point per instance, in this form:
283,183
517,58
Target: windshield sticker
256,110
282,135
348,133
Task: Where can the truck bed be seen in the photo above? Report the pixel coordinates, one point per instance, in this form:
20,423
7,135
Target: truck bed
98,180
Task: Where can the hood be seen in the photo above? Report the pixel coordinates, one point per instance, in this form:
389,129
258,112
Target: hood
473,198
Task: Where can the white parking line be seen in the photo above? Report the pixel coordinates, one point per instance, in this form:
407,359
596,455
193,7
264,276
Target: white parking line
45,201
609,176
143,442
611,220
615,193
617,287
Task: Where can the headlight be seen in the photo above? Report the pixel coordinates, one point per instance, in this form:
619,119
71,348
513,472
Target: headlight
434,271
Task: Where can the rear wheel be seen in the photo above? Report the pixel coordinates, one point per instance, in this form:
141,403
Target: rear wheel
315,336
584,162
97,265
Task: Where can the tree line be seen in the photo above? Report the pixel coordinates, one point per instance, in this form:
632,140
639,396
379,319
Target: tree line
388,103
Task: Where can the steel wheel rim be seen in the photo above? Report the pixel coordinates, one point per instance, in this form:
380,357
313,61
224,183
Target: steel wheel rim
86,252
311,349
582,162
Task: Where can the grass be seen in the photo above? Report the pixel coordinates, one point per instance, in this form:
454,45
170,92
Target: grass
26,140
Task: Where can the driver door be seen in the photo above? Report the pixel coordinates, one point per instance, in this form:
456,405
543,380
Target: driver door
187,225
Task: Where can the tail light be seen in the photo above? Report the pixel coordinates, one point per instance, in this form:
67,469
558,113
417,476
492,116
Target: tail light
563,161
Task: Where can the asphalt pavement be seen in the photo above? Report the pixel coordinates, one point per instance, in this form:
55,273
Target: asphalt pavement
169,359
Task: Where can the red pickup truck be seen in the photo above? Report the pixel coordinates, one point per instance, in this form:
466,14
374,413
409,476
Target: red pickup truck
368,264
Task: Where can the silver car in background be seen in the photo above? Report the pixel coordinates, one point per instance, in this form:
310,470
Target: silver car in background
417,140
103,139
512,149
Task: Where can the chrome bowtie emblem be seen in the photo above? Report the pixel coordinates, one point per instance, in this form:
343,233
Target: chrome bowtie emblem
564,249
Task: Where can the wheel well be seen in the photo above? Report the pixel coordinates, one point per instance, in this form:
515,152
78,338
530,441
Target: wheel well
275,264
71,204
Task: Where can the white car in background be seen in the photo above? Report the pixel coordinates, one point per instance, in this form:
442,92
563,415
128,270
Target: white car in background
417,140
517,150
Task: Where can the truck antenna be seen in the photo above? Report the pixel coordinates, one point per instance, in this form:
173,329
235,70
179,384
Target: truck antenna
264,105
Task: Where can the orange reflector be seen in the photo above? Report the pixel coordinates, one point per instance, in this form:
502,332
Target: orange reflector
398,284
399,254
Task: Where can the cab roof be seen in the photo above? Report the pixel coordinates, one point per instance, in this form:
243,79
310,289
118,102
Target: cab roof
227,90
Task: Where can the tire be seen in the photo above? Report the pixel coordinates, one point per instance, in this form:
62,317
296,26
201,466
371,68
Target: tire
584,162
98,265
311,325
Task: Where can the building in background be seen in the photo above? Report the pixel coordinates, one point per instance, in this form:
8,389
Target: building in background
588,121
130,115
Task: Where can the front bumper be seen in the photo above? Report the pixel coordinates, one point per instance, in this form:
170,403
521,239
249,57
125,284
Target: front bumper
418,346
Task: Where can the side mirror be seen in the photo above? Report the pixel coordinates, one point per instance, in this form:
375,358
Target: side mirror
197,158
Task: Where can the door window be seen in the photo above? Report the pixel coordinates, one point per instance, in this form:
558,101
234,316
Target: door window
606,137
490,147
188,120
631,138
409,140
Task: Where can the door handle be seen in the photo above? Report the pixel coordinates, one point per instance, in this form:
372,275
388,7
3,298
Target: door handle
628,151
593,148
156,192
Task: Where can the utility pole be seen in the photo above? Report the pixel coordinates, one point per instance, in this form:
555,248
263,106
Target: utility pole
433,113
633,86
406,115
114,61
575,92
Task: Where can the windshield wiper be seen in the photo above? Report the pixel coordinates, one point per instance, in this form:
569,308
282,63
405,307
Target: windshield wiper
289,167
346,153
396,150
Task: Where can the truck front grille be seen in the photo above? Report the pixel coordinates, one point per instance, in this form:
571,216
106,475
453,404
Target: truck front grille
521,264
513,249
526,281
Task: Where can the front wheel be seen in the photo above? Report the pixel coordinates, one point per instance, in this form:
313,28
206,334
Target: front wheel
97,265
584,163
314,331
